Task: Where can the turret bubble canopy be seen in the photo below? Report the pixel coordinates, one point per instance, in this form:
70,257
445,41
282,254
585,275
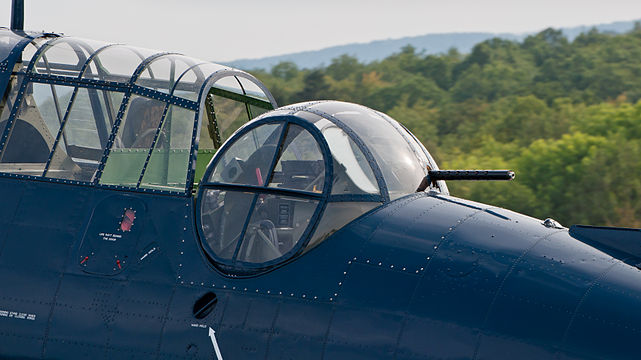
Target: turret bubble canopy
290,178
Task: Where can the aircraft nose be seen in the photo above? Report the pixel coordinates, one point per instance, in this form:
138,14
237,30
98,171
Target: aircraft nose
486,283
607,320
562,298
517,289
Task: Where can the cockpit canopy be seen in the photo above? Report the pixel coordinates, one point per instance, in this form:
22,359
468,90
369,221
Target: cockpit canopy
86,112
108,115
290,178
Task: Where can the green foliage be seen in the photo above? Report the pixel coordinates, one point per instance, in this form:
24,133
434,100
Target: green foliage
566,116
344,67
286,70
315,87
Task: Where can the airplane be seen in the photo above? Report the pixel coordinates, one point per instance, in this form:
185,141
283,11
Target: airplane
156,206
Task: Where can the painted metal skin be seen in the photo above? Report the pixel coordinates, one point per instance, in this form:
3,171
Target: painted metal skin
424,276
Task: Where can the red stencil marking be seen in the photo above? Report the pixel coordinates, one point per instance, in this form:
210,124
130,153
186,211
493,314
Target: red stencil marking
127,221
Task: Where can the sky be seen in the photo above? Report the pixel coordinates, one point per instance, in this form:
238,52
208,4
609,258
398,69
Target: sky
230,30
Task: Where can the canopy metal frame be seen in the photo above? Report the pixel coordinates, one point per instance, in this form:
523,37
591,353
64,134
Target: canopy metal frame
128,87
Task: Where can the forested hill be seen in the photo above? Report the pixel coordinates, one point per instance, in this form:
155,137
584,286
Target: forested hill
429,44
565,115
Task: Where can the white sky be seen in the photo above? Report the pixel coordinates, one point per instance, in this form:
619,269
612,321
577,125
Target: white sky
228,30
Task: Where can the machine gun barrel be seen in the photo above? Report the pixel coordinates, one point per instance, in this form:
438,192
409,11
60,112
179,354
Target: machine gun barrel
471,175
434,175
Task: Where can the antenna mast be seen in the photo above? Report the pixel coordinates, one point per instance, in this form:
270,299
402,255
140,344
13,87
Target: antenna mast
17,15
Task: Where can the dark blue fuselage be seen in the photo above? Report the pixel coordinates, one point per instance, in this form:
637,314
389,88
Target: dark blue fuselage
423,277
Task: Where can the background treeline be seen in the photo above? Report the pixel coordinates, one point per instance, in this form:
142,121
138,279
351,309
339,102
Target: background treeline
566,116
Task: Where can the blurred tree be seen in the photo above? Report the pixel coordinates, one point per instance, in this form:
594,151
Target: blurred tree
344,66
286,70
315,87
566,115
